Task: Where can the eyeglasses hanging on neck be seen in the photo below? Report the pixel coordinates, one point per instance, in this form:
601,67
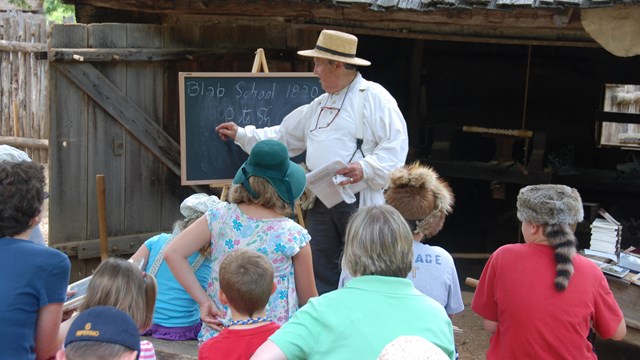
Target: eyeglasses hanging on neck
329,111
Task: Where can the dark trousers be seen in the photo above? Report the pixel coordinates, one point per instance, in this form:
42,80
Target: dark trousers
327,228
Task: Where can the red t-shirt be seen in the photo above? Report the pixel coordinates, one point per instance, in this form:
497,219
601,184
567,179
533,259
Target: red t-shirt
236,344
535,321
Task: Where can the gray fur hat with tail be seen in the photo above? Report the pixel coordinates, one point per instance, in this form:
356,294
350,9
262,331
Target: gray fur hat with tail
557,207
549,204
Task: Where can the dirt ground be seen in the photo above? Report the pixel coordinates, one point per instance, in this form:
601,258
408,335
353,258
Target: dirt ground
472,343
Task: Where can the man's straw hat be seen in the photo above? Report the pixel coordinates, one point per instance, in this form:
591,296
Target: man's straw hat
338,46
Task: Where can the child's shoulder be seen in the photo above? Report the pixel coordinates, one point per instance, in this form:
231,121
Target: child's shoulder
50,255
159,239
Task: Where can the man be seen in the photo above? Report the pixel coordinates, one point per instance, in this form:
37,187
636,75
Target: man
327,129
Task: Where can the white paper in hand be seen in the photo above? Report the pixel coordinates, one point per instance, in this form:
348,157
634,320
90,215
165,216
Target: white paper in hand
320,181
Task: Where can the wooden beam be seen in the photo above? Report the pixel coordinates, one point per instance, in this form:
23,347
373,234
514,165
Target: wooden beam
89,249
20,46
518,25
360,12
141,126
486,171
616,117
151,54
24,142
474,256
96,55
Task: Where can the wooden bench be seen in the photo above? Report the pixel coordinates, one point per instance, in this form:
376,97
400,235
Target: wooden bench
174,350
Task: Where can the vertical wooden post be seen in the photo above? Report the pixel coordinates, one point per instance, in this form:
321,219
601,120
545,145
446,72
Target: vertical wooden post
102,217
16,119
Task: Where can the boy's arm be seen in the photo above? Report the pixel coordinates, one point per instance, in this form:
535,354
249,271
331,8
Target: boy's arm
490,326
268,351
621,331
48,323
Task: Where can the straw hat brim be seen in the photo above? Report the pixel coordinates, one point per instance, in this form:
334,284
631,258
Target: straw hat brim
325,55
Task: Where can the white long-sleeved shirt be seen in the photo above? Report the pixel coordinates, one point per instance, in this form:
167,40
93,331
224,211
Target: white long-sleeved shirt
311,128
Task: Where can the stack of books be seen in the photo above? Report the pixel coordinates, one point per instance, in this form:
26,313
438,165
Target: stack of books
606,234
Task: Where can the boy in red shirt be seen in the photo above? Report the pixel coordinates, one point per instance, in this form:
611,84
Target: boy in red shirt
540,299
246,283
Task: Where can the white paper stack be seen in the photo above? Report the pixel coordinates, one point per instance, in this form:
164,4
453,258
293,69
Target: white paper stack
606,234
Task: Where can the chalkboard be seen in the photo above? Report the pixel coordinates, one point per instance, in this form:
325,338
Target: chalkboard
209,99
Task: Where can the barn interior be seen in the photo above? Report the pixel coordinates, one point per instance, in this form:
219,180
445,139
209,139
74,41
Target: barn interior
496,96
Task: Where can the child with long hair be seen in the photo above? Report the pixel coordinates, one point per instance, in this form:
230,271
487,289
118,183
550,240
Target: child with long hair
261,199
121,284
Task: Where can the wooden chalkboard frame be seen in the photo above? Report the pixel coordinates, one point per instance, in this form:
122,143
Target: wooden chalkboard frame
184,176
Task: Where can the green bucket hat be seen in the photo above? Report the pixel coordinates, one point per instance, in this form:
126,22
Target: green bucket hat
269,159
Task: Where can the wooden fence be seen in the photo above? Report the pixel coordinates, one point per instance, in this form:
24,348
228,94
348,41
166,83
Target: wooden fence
24,94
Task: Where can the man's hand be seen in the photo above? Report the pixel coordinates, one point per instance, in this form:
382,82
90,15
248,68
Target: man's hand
227,131
353,172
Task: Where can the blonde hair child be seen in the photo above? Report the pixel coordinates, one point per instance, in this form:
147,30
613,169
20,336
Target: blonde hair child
121,284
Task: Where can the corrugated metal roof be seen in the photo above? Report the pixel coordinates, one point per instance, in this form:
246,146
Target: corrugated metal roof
426,5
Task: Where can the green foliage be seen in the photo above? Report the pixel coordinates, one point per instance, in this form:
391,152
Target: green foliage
57,11
22,4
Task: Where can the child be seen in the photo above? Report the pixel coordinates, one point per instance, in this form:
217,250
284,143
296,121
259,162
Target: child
102,332
263,195
540,298
246,283
9,153
121,284
33,278
424,200
176,315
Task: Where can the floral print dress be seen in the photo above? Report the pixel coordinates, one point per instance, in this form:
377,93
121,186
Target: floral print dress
279,239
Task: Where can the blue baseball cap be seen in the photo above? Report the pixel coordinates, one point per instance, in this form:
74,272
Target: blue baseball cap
104,324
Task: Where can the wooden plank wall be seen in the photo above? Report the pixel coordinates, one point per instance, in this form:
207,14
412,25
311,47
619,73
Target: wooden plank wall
25,90
143,195
68,174
90,141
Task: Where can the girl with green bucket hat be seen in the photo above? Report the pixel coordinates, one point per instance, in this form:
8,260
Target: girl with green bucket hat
261,198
